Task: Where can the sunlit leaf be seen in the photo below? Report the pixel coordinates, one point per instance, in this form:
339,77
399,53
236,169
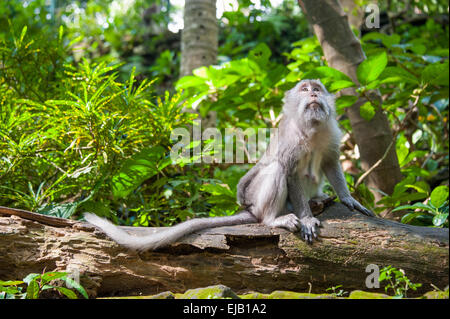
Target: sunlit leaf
136,170
370,69
439,219
367,111
439,195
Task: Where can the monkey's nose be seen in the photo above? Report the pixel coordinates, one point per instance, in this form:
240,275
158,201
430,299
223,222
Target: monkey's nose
313,95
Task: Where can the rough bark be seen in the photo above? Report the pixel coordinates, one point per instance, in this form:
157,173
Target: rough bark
199,38
343,52
245,258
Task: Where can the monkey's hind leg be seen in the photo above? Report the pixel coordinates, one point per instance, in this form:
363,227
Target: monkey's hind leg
288,221
268,194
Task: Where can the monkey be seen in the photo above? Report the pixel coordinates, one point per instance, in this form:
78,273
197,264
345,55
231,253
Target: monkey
276,190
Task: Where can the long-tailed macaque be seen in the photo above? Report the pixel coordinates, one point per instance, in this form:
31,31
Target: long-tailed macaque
277,189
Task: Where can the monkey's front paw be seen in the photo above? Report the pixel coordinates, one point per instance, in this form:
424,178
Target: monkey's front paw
352,203
309,228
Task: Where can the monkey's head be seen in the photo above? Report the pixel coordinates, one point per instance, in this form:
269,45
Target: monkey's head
310,103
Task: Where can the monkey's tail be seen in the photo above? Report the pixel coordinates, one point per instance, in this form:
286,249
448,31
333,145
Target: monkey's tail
169,235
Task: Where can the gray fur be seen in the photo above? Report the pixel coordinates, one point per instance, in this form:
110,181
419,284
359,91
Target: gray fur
169,235
292,170
277,189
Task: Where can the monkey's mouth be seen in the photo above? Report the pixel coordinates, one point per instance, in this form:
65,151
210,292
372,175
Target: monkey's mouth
314,106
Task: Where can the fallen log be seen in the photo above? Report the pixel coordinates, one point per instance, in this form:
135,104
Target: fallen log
245,258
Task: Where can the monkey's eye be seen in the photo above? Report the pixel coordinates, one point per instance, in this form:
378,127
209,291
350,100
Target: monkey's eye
316,89
305,89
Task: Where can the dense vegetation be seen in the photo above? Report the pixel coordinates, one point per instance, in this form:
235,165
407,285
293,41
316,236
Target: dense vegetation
89,96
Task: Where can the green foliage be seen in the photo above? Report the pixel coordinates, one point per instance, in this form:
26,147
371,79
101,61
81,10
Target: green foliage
80,130
247,92
243,89
166,66
32,286
414,83
396,281
68,130
135,170
370,69
433,213
336,292
248,25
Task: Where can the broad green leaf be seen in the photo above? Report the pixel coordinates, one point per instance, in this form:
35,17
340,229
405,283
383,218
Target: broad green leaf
387,40
32,290
418,48
439,195
406,219
345,101
11,282
372,36
412,156
216,189
30,277
436,73
373,85
391,40
393,74
189,81
339,85
382,276
414,206
67,292
136,170
9,290
408,197
370,69
201,72
260,54
274,75
416,171
327,75
241,67
439,219
367,111
72,283
444,52
420,186
226,79
402,150
426,219
49,276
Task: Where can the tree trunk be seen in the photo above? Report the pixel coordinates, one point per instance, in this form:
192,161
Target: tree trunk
343,52
199,39
199,43
245,258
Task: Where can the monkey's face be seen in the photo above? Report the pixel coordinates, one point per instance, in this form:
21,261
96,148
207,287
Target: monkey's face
310,102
